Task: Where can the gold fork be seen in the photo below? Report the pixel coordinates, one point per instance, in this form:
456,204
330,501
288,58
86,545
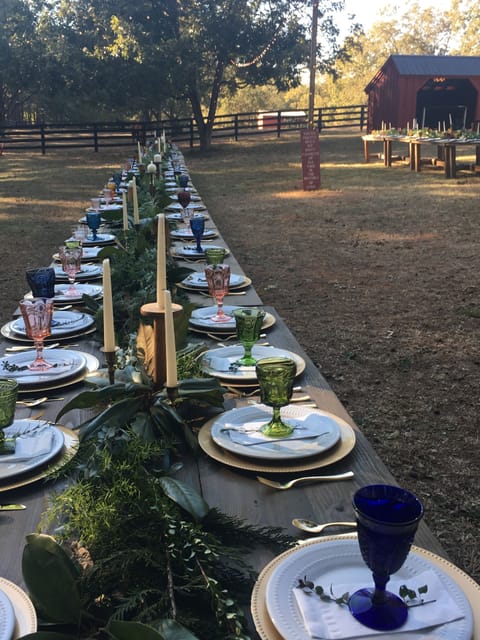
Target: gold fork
288,485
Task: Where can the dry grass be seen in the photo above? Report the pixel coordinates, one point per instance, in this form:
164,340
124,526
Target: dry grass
376,275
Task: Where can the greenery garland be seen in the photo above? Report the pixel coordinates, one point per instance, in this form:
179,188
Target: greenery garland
148,558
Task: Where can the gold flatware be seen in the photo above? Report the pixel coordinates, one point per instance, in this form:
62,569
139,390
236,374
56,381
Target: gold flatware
32,403
12,507
30,348
315,527
288,485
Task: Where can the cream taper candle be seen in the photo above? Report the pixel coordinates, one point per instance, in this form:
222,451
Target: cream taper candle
170,347
125,211
108,330
161,263
136,216
139,153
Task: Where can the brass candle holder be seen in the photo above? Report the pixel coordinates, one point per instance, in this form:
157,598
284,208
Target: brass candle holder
110,360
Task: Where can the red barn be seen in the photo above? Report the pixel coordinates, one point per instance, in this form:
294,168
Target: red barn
431,89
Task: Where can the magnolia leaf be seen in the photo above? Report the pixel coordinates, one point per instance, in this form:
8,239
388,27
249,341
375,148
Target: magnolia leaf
146,344
208,390
52,579
172,630
119,415
88,399
123,630
171,423
49,635
144,426
185,497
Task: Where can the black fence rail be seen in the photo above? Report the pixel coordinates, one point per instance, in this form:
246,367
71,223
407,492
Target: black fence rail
46,137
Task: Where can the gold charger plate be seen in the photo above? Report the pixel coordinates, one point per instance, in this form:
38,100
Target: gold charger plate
337,453
246,283
267,631
69,449
25,614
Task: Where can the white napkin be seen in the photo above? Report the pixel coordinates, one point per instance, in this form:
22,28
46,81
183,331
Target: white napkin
59,367
330,621
37,443
310,427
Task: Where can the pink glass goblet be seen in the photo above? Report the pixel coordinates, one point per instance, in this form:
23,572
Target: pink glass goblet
184,198
218,281
37,314
71,258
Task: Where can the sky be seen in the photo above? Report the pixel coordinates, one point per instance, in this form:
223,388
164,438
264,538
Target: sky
366,11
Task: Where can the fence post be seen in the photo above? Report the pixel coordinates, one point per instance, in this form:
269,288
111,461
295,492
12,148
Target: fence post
319,119
279,123
95,137
235,127
192,124
42,139
362,117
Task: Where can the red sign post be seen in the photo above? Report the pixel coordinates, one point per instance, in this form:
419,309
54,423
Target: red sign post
310,159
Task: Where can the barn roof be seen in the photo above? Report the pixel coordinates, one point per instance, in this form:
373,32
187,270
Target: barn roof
437,65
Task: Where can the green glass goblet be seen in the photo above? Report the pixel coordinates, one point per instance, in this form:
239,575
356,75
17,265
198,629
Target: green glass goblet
8,398
275,376
248,323
215,255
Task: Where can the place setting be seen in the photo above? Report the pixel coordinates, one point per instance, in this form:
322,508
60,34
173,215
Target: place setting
270,434
190,251
217,280
64,325
201,321
31,369
29,448
374,583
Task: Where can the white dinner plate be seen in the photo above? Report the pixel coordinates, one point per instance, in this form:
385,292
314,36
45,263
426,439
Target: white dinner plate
10,466
216,362
88,254
102,238
339,561
193,196
63,322
176,206
202,319
190,250
198,280
186,234
228,431
108,207
7,617
87,272
178,216
66,364
24,611
92,290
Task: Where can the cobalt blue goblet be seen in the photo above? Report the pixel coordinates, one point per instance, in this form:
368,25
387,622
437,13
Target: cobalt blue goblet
93,221
197,225
41,282
387,519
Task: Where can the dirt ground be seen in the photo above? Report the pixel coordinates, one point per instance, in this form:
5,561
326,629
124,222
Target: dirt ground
376,274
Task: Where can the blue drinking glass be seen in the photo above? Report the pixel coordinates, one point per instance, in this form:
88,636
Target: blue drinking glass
183,181
197,225
387,519
41,282
93,221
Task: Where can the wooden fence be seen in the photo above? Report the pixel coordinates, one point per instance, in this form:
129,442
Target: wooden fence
47,137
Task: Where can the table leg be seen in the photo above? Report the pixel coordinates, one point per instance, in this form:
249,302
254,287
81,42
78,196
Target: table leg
366,150
417,162
387,153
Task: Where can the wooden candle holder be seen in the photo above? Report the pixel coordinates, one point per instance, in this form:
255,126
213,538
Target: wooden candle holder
155,311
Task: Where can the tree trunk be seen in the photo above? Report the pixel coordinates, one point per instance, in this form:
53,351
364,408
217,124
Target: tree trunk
205,127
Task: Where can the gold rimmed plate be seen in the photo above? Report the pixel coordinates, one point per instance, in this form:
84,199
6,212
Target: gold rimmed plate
91,365
7,332
201,321
344,446
25,614
195,283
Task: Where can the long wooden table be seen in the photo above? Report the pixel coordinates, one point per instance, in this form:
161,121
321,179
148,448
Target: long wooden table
233,490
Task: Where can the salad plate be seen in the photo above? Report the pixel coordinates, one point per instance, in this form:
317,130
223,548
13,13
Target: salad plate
178,216
220,363
239,431
87,272
336,560
65,364
202,319
63,323
190,251
186,234
197,280
193,198
91,366
41,442
25,621
7,617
